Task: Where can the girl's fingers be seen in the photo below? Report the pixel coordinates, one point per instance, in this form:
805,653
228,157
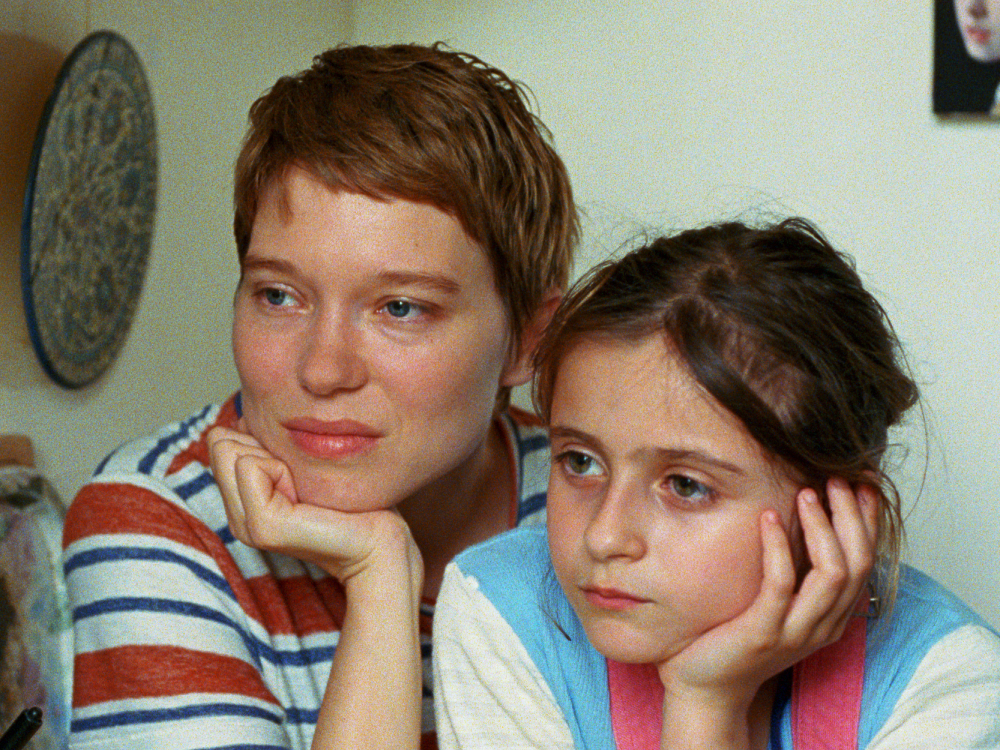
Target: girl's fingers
778,584
868,501
842,553
824,584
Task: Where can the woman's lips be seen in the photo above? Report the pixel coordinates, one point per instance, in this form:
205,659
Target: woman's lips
977,35
341,438
612,599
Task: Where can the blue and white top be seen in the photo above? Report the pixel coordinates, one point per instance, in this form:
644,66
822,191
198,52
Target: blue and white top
514,668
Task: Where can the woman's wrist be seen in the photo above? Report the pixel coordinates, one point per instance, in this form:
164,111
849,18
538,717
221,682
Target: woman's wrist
391,572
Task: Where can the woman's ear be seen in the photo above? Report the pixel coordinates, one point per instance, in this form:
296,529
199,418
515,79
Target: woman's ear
518,369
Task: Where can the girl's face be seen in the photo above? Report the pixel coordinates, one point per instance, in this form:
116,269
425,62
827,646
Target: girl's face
655,499
979,22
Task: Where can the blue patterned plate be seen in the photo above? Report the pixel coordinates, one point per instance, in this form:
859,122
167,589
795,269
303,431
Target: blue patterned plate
89,207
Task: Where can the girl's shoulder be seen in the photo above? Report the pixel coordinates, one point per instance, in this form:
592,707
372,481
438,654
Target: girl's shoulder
930,654
513,572
508,565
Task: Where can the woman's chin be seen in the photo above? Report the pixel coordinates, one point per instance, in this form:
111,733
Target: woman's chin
340,493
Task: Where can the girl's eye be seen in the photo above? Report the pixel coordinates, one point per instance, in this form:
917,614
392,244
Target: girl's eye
579,464
688,489
276,297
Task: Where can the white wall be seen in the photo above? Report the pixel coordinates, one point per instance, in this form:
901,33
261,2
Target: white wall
672,113
206,62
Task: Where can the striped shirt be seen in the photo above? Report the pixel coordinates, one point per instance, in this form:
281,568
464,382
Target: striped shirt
186,638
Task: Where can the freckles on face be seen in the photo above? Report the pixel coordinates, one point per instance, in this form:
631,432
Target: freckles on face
655,499
370,342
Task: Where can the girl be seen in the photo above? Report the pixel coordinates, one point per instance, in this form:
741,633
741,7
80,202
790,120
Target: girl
721,567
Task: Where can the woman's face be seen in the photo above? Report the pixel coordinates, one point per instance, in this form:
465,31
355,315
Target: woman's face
979,22
655,499
370,342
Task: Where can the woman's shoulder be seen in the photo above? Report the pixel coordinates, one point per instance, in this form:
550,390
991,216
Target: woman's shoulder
171,448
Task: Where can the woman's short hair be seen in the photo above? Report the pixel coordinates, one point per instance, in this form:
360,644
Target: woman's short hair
426,124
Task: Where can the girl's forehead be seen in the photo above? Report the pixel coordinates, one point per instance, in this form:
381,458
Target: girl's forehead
639,396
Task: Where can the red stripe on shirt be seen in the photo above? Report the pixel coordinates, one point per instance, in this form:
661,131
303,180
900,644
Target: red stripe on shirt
198,450
299,604
112,508
158,671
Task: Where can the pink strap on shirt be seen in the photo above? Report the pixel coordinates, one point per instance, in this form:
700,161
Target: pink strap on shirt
636,705
826,697
826,693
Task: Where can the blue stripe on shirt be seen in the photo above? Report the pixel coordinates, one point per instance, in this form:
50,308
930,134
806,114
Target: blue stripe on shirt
154,716
258,649
119,554
145,466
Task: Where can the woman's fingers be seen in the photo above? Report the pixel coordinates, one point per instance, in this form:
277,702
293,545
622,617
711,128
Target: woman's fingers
230,452
261,483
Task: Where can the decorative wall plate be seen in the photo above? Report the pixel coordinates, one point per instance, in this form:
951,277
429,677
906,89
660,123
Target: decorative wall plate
89,207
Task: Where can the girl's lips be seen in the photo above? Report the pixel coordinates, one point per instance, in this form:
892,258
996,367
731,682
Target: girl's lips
612,599
332,440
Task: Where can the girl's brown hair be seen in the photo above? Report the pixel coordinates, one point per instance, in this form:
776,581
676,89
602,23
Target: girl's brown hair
777,327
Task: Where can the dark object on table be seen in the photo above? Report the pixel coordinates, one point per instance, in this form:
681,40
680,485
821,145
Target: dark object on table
22,730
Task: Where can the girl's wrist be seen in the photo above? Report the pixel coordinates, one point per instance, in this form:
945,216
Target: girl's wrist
700,722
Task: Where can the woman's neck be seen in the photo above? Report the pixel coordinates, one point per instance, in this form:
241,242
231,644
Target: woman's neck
467,505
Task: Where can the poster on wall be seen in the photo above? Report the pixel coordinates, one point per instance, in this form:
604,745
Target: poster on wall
967,57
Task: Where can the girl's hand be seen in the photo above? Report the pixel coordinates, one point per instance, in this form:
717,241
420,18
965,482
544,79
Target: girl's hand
264,513
710,686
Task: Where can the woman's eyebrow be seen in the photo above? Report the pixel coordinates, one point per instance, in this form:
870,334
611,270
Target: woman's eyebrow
438,282
253,263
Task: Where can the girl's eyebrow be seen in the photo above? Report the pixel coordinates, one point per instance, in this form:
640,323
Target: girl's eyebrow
697,456
687,455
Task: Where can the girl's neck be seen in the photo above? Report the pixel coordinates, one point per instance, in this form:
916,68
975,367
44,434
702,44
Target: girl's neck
760,715
467,505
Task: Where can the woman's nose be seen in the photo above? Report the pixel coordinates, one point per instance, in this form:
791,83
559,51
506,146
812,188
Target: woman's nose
615,530
333,357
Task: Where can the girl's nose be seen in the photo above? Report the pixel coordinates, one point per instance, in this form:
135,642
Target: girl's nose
615,530
333,357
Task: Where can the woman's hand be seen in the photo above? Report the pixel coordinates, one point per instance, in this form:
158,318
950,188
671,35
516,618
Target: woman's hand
710,686
264,512
375,558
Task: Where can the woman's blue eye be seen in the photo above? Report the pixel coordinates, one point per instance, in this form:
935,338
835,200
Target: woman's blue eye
276,297
399,308
687,488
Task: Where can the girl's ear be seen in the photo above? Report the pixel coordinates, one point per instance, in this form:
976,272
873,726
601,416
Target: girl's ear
518,369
